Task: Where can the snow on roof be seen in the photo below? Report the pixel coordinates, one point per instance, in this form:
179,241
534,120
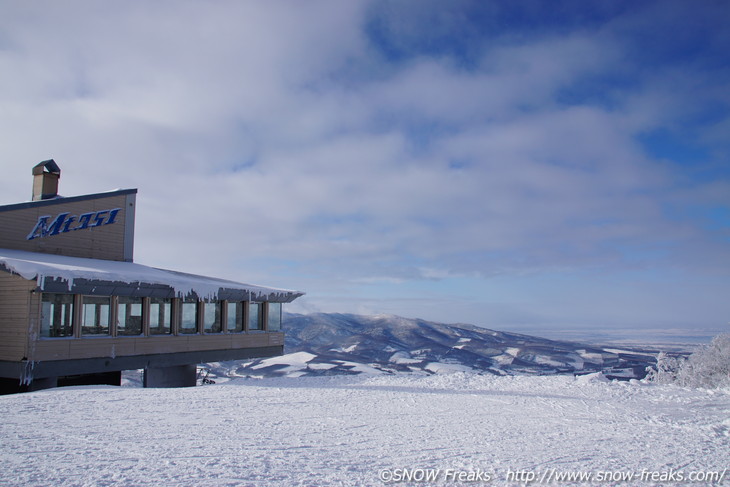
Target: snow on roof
80,274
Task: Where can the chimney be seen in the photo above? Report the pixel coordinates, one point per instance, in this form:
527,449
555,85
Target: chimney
45,180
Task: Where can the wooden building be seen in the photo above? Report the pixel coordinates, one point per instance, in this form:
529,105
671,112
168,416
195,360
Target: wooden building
75,308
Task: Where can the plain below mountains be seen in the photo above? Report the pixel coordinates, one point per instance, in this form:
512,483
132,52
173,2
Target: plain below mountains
334,344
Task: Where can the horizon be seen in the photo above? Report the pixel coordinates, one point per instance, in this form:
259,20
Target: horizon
673,339
517,166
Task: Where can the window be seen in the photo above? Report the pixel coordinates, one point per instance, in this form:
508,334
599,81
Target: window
254,316
234,317
274,317
188,317
57,315
95,314
212,317
129,316
160,316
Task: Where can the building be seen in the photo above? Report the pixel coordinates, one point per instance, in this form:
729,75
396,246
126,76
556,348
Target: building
75,308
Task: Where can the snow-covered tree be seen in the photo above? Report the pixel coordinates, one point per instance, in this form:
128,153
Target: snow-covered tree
708,367
666,369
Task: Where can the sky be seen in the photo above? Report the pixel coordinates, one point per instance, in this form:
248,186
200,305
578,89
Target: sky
519,165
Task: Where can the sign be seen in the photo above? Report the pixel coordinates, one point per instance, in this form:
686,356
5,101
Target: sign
65,222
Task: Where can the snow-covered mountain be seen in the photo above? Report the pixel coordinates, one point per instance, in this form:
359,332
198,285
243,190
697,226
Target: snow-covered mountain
331,344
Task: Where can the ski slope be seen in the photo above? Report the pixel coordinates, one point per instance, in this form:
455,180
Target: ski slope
367,430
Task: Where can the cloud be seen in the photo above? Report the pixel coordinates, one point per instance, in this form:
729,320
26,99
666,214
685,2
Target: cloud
335,145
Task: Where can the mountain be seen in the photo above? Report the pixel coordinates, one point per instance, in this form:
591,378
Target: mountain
331,344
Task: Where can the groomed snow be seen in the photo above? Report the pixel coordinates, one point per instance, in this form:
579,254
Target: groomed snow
351,430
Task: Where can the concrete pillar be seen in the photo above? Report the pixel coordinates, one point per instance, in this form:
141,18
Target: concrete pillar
176,376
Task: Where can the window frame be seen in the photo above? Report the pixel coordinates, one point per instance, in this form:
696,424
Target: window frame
259,316
98,315
118,302
181,317
68,311
240,325
218,315
280,315
169,304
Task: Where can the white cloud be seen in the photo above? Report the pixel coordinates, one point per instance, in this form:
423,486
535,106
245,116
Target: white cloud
277,141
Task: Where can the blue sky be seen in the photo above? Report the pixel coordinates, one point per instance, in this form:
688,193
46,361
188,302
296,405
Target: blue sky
517,165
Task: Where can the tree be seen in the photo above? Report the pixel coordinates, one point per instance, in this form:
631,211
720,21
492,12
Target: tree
708,367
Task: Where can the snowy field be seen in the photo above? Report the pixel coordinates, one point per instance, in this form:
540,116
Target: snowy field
368,430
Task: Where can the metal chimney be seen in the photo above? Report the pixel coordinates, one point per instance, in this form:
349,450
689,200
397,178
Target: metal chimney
45,180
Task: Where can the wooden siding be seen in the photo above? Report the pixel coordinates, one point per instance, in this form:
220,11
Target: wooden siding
15,302
19,320
102,242
98,347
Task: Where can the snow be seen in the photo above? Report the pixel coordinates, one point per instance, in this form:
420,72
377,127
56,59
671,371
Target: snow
291,362
512,351
463,343
594,357
403,358
503,359
447,368
546,360
357,430
39,267
358,368
594,377
320,366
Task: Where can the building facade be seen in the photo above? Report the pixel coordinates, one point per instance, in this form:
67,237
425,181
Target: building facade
75,308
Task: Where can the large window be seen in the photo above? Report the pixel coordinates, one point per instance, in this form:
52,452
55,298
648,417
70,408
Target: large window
188,317
57,315
274,317
95,315
234,317
61,316
129,316
255,316
160,316
212,317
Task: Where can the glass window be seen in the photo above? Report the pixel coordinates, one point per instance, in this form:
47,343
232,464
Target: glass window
129,316
57,315
254,316
160,316
274,317
212,317
95,314
188,317
234,317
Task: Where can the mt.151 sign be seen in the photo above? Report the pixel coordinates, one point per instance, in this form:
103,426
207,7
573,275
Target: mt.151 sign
65,222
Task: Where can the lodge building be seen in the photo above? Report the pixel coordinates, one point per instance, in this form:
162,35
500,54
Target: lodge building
75,308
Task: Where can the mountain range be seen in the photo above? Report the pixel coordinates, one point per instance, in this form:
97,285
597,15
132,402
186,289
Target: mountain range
333,344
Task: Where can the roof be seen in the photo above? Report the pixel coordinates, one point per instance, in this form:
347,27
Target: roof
59,273
67,199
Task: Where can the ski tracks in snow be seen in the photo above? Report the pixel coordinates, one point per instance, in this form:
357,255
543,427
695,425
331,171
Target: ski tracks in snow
345,430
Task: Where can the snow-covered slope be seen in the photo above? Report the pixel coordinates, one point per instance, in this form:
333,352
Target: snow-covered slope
364,430
328,344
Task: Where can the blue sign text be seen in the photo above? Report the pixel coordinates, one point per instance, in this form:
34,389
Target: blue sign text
66,222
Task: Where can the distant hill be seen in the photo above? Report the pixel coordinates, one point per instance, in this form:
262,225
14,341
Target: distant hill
331,343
